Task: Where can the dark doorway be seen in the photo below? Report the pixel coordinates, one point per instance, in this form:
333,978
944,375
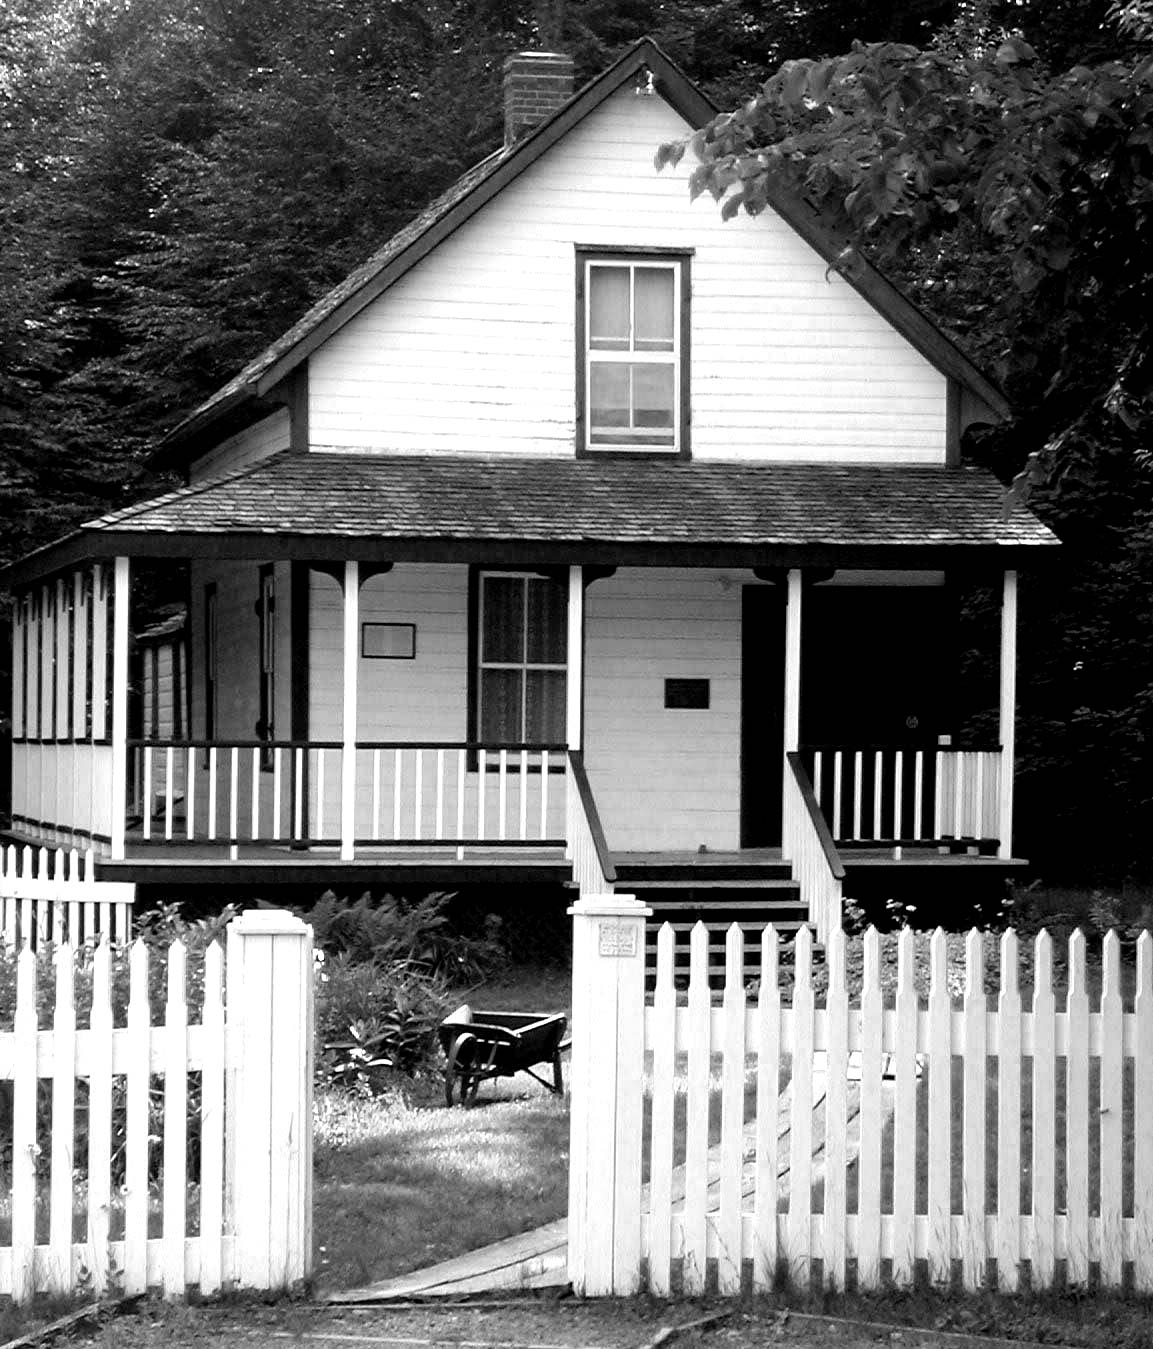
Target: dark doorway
762,713
874,670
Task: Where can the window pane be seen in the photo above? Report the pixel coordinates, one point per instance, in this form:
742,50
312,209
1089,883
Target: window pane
653,391
654,309
609,308
503,606
500,706
546,622
546,705
609,395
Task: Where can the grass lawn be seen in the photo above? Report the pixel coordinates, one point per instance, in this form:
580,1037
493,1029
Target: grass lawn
401,1182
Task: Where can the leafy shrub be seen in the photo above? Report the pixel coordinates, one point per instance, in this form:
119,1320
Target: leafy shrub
417,933
374,1020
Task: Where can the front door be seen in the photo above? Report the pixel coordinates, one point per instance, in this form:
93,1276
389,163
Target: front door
762,714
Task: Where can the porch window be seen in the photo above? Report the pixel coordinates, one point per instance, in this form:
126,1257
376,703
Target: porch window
634,345
521,648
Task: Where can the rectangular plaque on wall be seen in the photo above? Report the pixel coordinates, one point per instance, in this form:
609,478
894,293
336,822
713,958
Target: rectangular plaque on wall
388,641
687,693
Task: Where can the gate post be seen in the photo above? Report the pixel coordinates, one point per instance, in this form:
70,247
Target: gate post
268,1138
604,1228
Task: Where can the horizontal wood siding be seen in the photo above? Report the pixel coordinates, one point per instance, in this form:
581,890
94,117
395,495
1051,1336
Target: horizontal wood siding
664,778
247,447
473,350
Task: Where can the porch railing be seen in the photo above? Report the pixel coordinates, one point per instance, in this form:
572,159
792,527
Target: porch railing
460,793
807,844
592,865
874,794
256,792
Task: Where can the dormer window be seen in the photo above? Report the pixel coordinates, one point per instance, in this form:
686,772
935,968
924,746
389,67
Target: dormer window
633,341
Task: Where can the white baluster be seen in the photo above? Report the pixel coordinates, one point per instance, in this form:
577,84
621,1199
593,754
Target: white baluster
481,781
502,792
189,793
524,794
418,795
319,830
397,779
919,794
276,792
878,791
255,793
545,768
212,794
169,790
298,795
440,793
376,793
233,801
858,761
146,794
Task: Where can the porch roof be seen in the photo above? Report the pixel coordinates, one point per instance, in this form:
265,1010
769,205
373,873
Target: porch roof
326,507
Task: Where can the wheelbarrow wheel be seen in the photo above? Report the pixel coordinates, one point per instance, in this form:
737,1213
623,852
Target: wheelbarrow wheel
458,1081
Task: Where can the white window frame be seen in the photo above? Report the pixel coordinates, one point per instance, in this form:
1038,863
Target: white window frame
635,444
524,666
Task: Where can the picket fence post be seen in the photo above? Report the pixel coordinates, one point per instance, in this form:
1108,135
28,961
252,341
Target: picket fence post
269,1116
607,1079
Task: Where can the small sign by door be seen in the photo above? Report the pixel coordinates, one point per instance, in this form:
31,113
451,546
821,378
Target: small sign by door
615,939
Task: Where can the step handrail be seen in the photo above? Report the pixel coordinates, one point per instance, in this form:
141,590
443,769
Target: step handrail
808,845
589,817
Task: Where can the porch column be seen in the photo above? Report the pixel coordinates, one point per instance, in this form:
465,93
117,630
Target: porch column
119,707
792,728
348,714
574,674
1008,716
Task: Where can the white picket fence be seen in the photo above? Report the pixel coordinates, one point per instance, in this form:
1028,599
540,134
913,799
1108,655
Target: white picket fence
47,896
959,1135
104,1191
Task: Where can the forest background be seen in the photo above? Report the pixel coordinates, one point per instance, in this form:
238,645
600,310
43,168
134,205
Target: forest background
180,179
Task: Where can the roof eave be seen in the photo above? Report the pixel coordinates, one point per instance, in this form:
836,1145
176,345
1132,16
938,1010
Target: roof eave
91,545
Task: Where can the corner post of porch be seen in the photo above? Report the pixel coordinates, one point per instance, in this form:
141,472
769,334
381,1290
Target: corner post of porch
574,675
792,727
351,588
1008,712
119,735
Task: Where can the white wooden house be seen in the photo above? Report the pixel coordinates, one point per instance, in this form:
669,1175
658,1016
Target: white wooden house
577,532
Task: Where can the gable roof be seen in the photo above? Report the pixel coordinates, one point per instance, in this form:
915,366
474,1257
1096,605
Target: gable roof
481,183
326,507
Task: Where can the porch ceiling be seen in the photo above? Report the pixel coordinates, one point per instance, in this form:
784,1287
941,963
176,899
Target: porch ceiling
323,507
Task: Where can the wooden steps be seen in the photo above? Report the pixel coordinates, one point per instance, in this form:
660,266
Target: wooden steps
749,891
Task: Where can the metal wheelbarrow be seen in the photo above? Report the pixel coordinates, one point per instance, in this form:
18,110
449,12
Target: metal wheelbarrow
481,1044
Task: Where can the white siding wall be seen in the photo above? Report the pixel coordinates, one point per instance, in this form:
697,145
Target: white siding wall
473,350
266,437
664,778
420,699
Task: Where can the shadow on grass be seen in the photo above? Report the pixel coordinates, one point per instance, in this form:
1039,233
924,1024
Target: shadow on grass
400,1185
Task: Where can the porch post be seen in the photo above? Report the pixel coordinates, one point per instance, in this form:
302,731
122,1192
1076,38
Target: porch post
119,708
574,675
793,663
348,715
1008,713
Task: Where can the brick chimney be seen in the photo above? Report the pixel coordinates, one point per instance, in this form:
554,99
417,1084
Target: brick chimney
536,84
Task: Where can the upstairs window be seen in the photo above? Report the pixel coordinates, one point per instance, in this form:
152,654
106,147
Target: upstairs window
634,351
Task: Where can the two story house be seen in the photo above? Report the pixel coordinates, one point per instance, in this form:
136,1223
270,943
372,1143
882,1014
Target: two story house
577,535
